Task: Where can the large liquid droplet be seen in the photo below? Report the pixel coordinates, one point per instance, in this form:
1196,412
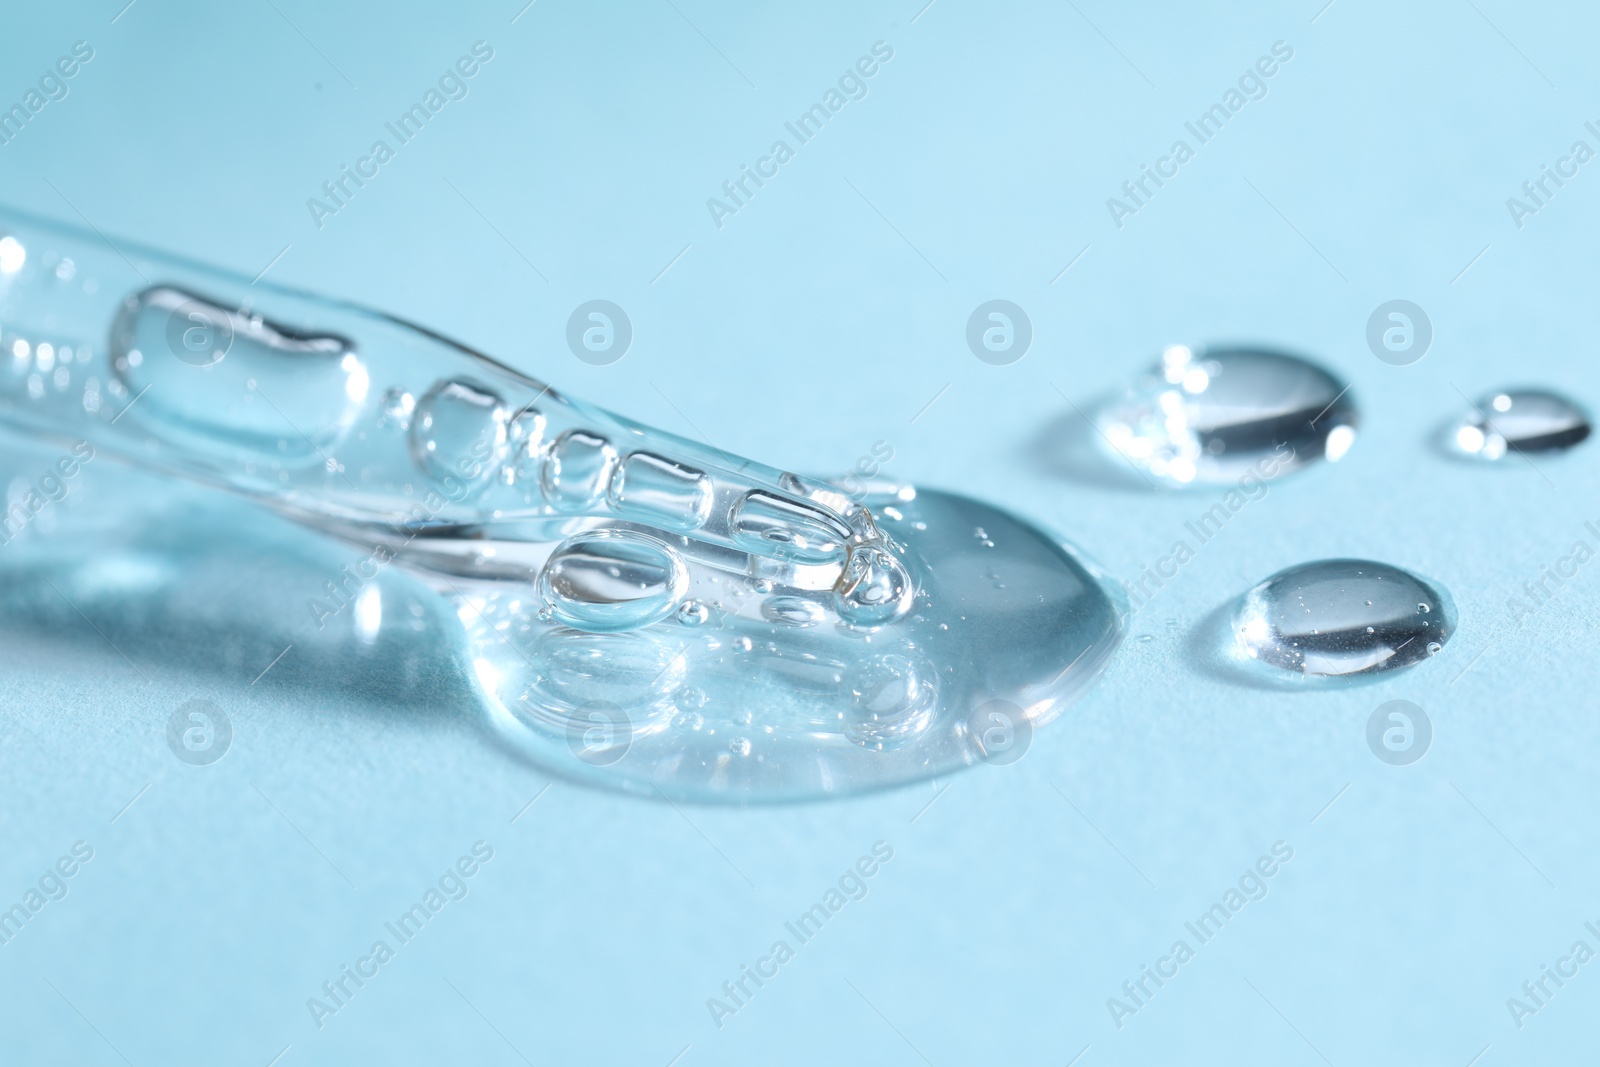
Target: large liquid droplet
459,430
766,524
895,697
789,696
219,374
1211,416
610,580
571,671
1340,617
1524,420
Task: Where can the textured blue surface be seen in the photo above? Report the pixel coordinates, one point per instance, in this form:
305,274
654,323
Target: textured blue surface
823,317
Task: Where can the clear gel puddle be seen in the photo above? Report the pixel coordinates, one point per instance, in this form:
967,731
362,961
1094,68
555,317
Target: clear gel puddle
1208,416
1341,617
752,696
638,609
1521,420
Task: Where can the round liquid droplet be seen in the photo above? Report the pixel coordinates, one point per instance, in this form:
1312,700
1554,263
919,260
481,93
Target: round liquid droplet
874,589
1521,420
894,702
609,580
526,453
459,431
1341,617
792,610
396,408
1217,415
572,671
693,613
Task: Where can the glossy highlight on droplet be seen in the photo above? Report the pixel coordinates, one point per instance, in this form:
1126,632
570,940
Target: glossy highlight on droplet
208,371
638,610
776,695
458,430
1337,618
1207,417
1527,421
609,580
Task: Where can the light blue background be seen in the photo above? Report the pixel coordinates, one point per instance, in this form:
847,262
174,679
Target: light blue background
807,328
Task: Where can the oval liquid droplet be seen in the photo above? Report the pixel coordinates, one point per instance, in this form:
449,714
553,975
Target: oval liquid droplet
577,470
459,431
232,378
570,671
894,697
604,581
661,492
1341,617
874,589
1211,416
771,525
1521,420
525,452
792,610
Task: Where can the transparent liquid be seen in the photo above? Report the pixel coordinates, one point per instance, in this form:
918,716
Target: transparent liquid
640,609
1211,416
1342,617
1521,421
784,701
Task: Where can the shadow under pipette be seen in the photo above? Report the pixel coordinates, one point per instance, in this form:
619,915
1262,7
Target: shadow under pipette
170,580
